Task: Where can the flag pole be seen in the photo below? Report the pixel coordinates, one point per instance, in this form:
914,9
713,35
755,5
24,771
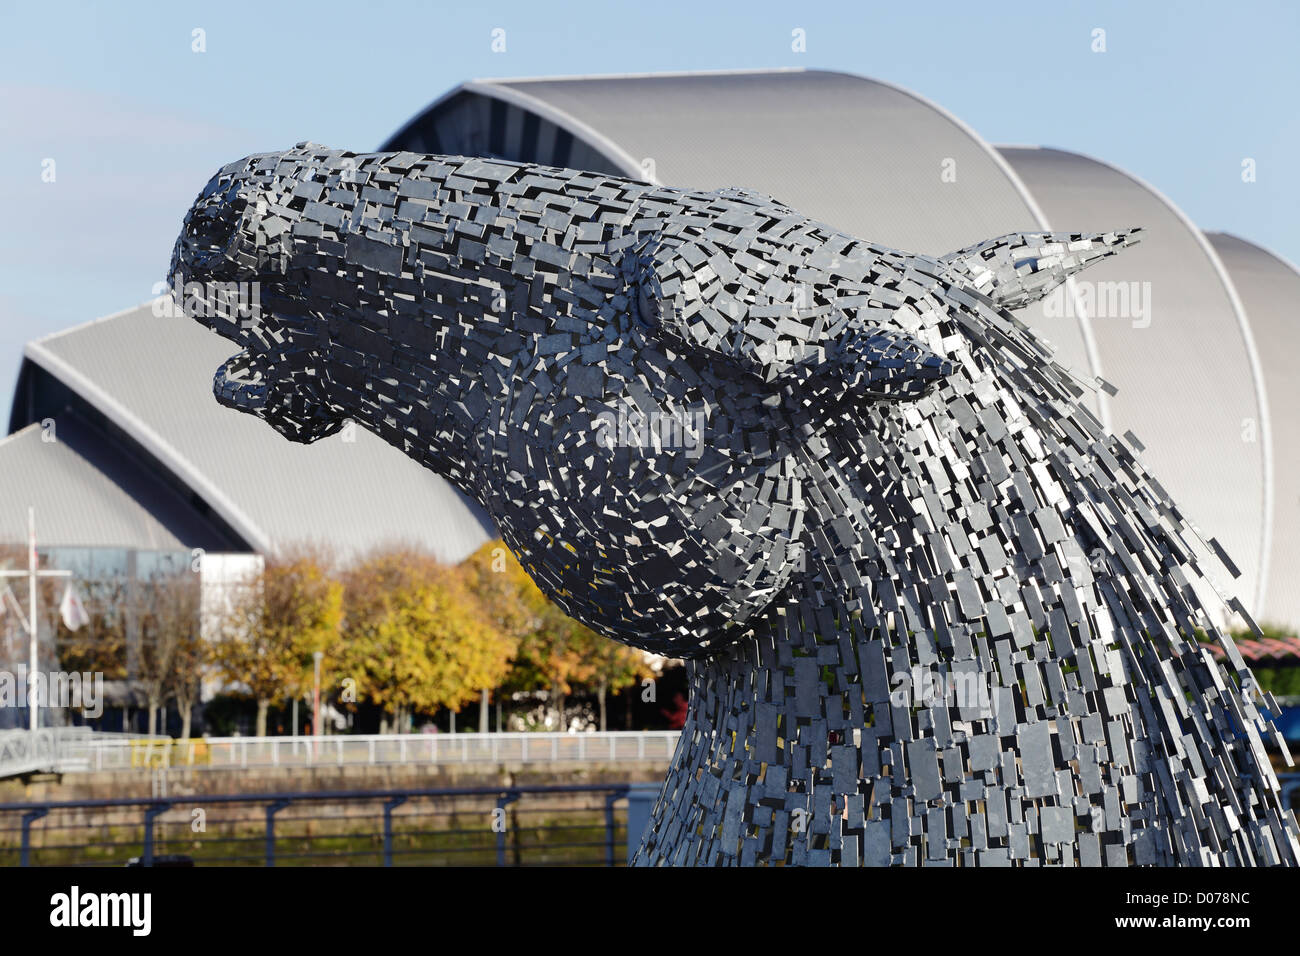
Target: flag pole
32,574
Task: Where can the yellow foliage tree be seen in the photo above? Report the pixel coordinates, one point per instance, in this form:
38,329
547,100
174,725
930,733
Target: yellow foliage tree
416,638
553,650
273,624
499,584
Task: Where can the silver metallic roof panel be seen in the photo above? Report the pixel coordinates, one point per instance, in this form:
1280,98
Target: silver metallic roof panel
152,376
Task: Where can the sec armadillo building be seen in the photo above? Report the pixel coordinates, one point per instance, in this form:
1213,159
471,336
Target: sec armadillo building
1190,336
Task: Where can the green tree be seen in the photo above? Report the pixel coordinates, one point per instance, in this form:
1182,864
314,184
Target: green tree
1278,677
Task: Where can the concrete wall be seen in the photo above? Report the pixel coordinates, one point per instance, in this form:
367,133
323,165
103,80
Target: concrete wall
185,781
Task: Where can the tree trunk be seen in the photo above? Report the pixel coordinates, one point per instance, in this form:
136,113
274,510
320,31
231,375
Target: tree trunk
627,702
263,705
559,707
185,707
484,706
154,704
601,694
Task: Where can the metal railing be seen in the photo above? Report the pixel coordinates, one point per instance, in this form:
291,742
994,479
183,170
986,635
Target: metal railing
54,749
575,825
99,753
478,826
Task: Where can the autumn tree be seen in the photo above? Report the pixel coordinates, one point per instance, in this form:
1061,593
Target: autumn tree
614,667
502,589
416,637
191,657
273,623
552,657
170,644
552,649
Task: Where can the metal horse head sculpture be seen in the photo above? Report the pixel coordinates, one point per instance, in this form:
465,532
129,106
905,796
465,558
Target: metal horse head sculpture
934,612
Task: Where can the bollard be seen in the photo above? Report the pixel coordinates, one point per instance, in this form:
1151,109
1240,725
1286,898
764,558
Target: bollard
271,810
149,814
502,801
24,857
389,806
640,800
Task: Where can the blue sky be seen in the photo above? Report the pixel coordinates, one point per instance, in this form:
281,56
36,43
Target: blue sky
136,121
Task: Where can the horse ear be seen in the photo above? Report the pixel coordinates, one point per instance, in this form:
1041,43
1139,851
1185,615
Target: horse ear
872,360
1018,269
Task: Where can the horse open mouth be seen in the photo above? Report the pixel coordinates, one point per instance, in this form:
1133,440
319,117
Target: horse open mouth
241,383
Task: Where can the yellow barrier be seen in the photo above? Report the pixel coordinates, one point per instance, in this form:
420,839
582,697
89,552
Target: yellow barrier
169,753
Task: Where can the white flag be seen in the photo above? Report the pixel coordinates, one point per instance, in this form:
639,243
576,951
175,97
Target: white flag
73,611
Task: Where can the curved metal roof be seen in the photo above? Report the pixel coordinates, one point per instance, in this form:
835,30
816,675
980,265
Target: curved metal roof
1187,373
85,496
1269,288
151,377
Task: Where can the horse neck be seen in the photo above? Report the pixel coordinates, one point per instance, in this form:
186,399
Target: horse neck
800,677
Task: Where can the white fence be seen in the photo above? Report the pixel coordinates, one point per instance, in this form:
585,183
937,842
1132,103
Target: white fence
48,749
118,752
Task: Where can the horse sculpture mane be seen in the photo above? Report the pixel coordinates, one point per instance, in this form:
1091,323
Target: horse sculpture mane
935,614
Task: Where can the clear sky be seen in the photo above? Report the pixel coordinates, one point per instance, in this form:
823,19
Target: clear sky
136,121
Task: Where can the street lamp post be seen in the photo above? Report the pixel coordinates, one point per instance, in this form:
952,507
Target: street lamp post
315,705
